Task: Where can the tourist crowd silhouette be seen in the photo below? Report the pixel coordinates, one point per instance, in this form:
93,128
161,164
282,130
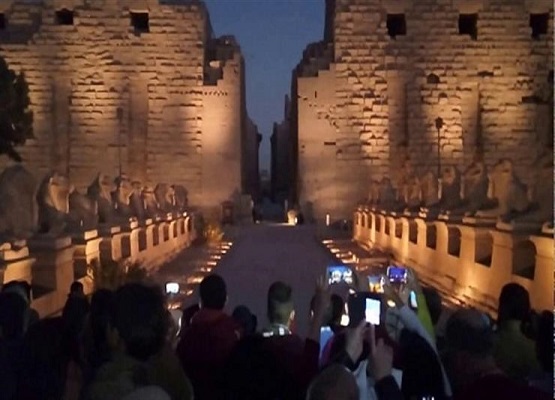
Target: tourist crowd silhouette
128,344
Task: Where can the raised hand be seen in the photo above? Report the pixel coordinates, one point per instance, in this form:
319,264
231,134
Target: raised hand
322,296
380,357
354,338
391,294
322,299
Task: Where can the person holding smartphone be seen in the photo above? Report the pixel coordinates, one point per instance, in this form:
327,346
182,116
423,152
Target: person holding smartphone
416,341
361,345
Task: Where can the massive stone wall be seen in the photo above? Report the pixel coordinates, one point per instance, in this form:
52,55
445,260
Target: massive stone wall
281,155
394,67
126,85
251,169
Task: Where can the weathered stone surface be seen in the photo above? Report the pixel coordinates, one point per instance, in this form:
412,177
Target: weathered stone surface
429,188
100,191
165,197
475,189
18,207
371,98
136,201
388,199
151,206
109,97
181,196
506,190
53,203
121,198
450,189
83,212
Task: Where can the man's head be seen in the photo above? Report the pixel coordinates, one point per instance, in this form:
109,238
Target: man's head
247,320
22,288
334,312
333,383
213,292
14,316
337,306
140,320
469,344
280,303
76,289
514,303
469,331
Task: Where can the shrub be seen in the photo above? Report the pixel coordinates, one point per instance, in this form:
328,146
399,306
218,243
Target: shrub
213,233
113,274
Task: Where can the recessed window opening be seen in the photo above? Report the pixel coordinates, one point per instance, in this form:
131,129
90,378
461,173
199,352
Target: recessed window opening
468,25
64,17
140,22
2,21
433,79
539,24
396,25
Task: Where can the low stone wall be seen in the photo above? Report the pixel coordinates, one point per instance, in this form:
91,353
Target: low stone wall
52,264
467,264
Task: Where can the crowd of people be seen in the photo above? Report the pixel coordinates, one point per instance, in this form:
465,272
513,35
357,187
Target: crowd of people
127,344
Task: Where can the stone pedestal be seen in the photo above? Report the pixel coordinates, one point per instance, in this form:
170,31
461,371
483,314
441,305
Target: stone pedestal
364,232
52,273
476,244
404,242
521,227
442,237
15,262
547,229
427,236
146,235
110,246
516,251
426,243
541,291
86,250
372,228
429,214
381,237
451,218
480,221
130,240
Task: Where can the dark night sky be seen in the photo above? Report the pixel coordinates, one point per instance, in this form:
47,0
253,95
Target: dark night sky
272,35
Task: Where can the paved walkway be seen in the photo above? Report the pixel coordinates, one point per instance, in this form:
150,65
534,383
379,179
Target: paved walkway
260,255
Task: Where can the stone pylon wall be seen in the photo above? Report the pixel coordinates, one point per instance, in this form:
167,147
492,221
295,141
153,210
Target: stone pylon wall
494,90
106,96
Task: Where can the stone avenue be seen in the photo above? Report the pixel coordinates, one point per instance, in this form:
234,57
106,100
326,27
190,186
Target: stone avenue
429,123
260,255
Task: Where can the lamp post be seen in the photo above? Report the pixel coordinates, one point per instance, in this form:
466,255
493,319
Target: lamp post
439,125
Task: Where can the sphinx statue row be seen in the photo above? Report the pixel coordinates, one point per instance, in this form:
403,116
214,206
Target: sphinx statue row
53,206
497,194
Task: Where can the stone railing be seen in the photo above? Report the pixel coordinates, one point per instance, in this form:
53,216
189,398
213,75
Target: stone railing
467,263
52,264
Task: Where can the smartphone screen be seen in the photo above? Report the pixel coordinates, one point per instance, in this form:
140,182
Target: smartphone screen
325,335
412,300
375,283
364,306
397,274
339,273
172,288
